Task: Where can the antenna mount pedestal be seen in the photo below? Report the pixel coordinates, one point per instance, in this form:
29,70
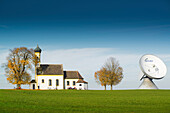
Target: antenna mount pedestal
147,84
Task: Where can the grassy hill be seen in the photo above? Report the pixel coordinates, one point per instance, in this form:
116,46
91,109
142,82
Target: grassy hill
123,101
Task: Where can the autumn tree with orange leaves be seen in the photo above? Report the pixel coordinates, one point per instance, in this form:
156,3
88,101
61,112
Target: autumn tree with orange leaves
19,65
110,74
102,77
114,71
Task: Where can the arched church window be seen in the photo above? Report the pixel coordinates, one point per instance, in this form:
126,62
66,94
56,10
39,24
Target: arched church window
68,83
42,80
50,82
74,83
57,82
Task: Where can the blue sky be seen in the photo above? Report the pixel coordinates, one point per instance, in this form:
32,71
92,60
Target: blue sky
88,23
127,26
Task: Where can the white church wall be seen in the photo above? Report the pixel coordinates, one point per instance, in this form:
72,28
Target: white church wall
62,81
53,78
80,86
70,83
31,85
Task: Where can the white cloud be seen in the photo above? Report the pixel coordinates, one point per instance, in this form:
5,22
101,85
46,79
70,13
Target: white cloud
3,55
89,60
3,82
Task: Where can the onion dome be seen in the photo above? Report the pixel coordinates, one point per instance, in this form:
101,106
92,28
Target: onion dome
37,49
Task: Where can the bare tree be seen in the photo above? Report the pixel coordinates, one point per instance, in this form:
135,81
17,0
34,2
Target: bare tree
114,71
20,63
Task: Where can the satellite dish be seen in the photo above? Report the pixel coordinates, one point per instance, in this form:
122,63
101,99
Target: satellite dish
140,75
153,68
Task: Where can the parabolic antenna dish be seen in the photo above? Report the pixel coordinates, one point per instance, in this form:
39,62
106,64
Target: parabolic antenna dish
153,67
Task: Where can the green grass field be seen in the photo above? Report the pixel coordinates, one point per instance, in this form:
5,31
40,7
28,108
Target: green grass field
123,101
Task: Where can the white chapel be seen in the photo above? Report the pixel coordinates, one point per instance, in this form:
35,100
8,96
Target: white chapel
52,76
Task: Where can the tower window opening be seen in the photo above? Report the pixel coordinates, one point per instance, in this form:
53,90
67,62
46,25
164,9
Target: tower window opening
42,80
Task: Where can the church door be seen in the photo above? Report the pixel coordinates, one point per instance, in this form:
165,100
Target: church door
33,86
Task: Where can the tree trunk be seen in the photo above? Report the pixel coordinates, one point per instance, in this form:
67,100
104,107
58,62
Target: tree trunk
18,86
105,87
111,86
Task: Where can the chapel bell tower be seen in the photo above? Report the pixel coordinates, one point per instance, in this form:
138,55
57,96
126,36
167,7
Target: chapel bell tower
37,51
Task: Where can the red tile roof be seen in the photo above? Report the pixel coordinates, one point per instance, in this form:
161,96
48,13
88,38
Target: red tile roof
82,81
72,75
